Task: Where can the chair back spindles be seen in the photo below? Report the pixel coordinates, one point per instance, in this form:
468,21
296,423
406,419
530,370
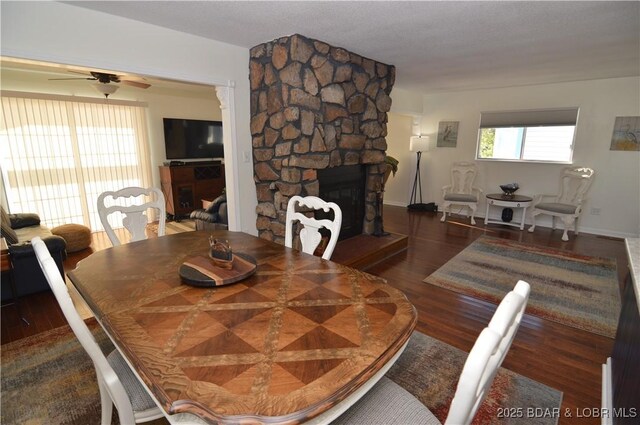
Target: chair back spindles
310,236
135,218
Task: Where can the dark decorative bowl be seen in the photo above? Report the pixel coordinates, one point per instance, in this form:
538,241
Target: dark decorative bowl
509,189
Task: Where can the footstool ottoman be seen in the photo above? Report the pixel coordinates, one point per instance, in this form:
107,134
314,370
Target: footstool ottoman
77,236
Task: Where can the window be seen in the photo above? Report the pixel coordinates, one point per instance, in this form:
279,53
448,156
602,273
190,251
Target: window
58,155
534,135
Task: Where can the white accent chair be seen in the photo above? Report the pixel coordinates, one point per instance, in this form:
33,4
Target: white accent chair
388,403
310,236
461,190
567,204
135,219
117,383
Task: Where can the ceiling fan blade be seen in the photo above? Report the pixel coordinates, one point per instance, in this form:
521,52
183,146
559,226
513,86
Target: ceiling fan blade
135,84
75,78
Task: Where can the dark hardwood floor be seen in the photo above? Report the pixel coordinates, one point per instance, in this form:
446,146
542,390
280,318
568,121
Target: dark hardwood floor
564,358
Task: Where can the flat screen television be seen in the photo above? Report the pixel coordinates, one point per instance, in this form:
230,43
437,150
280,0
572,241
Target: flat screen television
193,139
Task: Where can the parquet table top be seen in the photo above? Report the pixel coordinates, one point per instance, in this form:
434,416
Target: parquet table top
282,346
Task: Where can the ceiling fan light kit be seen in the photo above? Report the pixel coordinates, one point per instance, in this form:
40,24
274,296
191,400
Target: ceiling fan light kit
106,89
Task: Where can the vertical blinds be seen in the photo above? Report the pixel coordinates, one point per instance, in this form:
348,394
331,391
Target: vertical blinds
58,155
529,118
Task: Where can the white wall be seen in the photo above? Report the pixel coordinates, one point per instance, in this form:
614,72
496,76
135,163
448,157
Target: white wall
398,187
163,106
63,33
406,108
406,102
616,187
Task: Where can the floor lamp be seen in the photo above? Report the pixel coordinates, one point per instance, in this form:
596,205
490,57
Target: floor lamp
418,144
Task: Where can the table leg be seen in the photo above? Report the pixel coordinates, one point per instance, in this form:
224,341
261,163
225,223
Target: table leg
14,296
524,214
486,215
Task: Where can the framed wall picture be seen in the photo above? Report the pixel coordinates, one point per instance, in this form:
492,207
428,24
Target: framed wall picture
447,134
626,134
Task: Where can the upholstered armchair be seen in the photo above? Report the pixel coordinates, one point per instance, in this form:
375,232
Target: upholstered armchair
18,230
214,217
461,191
567,203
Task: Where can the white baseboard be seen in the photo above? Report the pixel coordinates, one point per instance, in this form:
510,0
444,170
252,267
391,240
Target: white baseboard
591,230
610,233
395,203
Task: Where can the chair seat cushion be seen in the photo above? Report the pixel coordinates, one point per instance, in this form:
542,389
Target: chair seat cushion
25,234
77,236
140,399
387,403
557,207
460,197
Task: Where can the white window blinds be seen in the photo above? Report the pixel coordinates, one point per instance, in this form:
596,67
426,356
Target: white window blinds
529,118
540,135
58,155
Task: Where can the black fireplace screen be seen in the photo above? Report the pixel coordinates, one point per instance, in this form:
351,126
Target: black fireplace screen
346,187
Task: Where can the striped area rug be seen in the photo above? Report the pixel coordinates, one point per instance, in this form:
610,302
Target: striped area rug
572,289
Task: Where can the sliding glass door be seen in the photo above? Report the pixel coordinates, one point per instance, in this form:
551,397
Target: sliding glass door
57,155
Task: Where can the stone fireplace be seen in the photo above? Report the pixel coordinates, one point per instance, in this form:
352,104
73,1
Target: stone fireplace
316,109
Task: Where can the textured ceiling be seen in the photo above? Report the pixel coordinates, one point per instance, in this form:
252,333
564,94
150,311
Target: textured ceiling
435,46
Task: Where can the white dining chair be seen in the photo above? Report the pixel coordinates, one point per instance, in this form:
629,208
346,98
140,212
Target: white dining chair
390,404
310,236
135,218
461,191
567,203
117,383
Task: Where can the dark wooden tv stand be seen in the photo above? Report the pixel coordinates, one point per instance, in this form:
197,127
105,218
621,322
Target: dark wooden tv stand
184,186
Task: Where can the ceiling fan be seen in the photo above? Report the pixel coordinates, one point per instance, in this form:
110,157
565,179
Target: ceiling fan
106,79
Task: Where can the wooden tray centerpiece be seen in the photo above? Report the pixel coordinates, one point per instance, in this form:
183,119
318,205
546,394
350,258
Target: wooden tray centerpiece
220,267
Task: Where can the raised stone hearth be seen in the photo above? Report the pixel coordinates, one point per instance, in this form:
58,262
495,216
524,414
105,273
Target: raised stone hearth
314,106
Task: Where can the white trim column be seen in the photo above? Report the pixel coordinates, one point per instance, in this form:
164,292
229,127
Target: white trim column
226,96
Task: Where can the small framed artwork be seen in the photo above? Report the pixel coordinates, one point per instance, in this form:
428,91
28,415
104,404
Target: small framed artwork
626,134
447,134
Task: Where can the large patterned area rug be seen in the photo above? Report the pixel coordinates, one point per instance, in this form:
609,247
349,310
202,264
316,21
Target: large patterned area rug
49,379
429,369
572,289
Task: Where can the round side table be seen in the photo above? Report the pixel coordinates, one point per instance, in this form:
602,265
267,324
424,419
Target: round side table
507,201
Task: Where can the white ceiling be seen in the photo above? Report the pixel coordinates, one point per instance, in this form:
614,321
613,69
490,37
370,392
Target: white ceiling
435,45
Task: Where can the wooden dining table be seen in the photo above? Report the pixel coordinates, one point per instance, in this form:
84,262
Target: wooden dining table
299,340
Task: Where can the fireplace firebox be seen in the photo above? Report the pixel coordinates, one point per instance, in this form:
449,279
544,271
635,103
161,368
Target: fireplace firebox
346,187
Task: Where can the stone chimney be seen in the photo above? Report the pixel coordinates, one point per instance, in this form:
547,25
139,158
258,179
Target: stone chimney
314,106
